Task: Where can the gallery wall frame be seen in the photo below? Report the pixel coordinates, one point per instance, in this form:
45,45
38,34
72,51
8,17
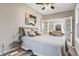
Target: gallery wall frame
30,19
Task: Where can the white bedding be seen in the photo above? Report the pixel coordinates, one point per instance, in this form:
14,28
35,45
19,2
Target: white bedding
44,45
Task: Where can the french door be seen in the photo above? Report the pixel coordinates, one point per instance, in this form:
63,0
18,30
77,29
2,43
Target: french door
69,30
45,27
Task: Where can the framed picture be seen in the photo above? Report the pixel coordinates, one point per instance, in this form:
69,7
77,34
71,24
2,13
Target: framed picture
58,27
30,19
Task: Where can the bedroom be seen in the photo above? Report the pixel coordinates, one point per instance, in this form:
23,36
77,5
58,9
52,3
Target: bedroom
51,26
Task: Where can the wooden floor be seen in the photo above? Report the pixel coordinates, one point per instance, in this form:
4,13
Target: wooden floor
21,52
72,51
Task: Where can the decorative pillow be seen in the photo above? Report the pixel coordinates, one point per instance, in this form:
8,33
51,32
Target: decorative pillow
27,32
31,33
37,33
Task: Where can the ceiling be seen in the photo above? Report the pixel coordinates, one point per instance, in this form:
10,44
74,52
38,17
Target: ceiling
59,7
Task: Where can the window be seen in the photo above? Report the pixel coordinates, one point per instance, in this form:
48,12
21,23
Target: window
58,27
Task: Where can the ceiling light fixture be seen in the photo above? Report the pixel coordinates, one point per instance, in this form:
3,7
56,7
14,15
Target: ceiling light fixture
46,5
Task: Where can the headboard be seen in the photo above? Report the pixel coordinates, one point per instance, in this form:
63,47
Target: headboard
21,31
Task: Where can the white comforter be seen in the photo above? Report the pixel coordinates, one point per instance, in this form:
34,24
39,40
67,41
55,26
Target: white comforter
44,45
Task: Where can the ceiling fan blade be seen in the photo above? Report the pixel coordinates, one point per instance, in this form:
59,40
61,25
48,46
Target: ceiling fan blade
43,8
46,5
52,7
39,3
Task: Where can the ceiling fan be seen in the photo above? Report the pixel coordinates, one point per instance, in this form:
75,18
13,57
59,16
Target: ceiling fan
46,5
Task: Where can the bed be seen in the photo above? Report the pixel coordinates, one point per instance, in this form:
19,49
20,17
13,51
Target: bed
44,45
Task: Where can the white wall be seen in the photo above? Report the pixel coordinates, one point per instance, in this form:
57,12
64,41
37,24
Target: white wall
8,24
76,29
11,17
22,9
